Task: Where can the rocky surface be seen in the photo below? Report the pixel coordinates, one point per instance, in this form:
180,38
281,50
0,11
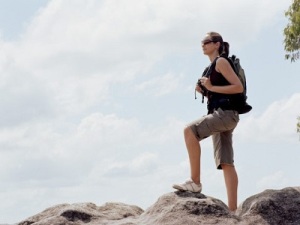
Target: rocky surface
272,207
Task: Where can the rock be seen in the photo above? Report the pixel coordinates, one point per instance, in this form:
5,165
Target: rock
187,208
84,213
271,207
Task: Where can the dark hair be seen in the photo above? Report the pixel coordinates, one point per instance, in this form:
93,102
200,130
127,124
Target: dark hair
224,46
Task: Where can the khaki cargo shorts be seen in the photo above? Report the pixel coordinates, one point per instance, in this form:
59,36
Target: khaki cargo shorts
220,125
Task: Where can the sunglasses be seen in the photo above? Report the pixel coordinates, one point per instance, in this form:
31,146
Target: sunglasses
205,42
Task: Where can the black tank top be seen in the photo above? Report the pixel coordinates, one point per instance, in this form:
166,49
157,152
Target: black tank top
217,79
216,100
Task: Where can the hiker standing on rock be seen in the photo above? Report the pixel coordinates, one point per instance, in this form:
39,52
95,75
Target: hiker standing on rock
220,121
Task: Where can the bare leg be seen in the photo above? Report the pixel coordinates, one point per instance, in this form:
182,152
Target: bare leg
194,151
231,182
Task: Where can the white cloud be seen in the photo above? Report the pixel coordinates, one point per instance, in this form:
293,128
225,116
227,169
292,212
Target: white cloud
41,152
159,86
273,181
109,33
141,165
105,127
70,55
277,123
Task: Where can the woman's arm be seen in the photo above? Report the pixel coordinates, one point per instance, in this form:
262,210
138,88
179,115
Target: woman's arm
224,67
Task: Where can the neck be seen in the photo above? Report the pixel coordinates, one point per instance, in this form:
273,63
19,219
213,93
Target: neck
213,56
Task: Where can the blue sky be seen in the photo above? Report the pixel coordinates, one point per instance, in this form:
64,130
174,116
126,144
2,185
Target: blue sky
95,96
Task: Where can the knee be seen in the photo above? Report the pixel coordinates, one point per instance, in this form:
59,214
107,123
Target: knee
188,133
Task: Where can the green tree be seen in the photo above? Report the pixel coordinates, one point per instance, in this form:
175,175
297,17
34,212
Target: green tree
292,32
298,125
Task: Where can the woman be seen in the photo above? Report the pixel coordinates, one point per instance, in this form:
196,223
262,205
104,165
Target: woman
221,86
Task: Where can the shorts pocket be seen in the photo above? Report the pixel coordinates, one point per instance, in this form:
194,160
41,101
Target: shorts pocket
230,119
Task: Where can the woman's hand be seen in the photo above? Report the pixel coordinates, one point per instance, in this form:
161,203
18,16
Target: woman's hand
198,89
206,83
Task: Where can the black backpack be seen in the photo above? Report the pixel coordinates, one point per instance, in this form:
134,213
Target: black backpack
235,64
240,100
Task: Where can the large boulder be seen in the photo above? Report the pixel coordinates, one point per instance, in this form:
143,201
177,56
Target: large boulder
84,213
187,208
271,207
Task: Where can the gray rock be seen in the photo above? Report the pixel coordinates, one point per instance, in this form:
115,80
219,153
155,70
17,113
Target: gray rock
271,207
187,208
84,213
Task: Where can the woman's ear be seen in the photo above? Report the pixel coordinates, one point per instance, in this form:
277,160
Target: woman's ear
218,44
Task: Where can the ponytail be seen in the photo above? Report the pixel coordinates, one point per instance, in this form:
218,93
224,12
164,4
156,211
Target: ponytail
224,49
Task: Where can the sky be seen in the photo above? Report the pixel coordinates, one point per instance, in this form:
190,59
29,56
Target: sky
95,96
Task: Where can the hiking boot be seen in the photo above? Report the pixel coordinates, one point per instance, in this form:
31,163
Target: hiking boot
189,185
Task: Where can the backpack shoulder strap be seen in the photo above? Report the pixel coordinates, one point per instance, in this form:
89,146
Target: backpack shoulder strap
210,68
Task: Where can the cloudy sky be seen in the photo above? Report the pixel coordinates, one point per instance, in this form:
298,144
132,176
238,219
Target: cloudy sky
95,95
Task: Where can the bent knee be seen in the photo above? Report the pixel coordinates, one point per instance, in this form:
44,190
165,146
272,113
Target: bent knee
189,133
